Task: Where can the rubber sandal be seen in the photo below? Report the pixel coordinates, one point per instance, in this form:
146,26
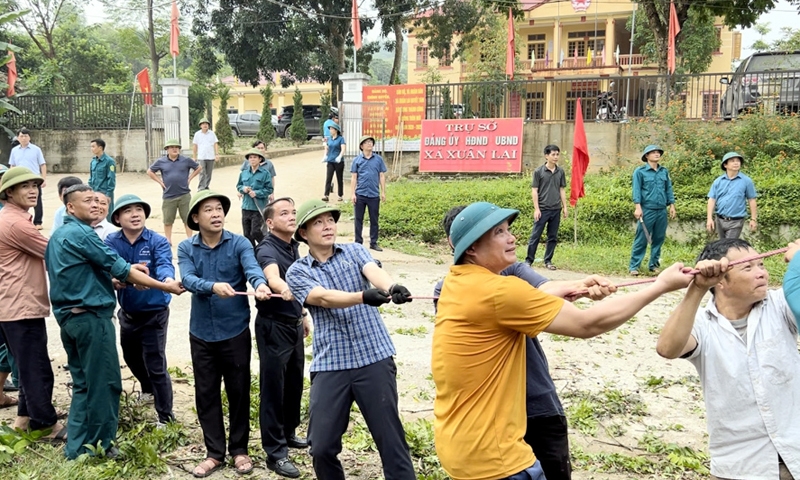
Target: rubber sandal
550,266
240,460
58,438
215,465
8,401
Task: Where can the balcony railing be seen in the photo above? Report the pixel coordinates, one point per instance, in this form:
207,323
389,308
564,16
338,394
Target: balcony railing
572,63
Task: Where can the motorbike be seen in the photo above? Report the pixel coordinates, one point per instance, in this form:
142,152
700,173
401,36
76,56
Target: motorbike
607,109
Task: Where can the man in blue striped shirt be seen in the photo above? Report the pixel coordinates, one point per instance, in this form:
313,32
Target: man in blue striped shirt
353,354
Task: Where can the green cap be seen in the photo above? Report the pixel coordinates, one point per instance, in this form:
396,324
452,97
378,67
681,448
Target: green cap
204,120
16,175
127,200
475,220
364,139
255,151
649,149
172,142
199,198
312,209
728,156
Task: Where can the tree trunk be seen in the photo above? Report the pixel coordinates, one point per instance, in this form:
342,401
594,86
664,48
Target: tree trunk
397,26
151,43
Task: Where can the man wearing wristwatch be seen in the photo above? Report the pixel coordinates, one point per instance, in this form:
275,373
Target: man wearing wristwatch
280,328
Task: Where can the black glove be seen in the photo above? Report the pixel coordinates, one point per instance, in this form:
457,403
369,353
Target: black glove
375,297
400,294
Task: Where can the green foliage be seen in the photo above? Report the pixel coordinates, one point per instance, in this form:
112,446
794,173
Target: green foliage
297,130
200,97
419,331
419,436
223,127
324,108
447,103
266,132
5,103
586,409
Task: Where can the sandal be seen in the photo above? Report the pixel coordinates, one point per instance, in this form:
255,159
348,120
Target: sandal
7,401
206,468
239,462
58,437
550,266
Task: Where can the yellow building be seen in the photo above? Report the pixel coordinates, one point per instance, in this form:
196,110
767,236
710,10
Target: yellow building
555,40
247,99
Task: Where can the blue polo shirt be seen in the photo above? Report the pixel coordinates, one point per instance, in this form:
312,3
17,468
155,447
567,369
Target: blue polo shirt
652,188
541,396
152,250
29,157
334,148
344,338
231,261
369,172
175,174
731,195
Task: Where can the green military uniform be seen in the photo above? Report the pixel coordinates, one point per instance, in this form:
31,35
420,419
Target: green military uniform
80,268
103,178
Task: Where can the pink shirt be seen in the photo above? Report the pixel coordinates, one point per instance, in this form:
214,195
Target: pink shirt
23,281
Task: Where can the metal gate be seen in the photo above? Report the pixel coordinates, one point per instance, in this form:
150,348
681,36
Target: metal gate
162,123
362,118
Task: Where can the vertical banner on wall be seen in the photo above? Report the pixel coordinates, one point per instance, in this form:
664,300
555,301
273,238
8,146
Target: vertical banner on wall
407,101
474,145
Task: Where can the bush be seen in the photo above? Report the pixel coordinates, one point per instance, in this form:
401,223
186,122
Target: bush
223,127
266,132
297,130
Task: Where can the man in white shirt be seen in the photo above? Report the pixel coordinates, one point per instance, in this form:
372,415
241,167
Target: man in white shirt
103,227
205,148
744,346
30,156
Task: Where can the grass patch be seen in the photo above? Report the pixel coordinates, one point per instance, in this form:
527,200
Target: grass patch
586,409
419,331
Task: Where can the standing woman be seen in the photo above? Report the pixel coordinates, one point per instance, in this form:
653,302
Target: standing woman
334,161
255,186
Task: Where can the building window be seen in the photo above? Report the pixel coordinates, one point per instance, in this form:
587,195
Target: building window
422,56
538,48
585,41
446,60
710,104
534,105
719,39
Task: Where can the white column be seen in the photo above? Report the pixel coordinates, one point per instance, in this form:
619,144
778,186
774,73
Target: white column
350,116
175,93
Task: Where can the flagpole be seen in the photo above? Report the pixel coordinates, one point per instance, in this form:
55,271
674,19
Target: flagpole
355,57
174,67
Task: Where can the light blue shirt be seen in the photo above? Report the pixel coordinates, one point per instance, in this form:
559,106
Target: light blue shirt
58,219
731,195
29,157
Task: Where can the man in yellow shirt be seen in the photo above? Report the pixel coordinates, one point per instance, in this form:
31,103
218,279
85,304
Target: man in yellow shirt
478,358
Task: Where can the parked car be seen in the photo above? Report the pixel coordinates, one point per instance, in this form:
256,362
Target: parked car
248,124
771,79
311,117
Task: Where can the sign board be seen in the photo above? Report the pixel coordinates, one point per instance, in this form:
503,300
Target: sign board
407,101
473,145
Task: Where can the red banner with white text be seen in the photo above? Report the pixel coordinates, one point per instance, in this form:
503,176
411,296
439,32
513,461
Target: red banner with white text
474,145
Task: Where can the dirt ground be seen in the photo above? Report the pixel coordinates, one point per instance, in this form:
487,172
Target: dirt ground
623,360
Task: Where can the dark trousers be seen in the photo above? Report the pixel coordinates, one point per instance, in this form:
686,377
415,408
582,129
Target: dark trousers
91,345
38,210
374,389
337,168
27,340
213,361
143,338
281,357
656,223
252,224
534,472
373,204
7,363
552,219
549,439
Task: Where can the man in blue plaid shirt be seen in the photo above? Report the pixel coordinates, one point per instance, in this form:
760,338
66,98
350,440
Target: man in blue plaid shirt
353,354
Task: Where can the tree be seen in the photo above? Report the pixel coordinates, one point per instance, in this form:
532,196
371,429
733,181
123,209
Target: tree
41,24
223,127
266,132
324,109
380,72
394,16
5,104
297,130
447,103
761,45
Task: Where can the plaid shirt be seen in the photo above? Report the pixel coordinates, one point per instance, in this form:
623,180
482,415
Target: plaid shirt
344,338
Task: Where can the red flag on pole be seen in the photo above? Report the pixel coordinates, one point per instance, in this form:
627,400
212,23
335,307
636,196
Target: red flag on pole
511,50
356,27
174,31
143,78
580,156
12,74
674,30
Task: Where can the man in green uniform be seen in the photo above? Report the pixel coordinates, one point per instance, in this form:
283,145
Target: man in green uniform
103,173
80,268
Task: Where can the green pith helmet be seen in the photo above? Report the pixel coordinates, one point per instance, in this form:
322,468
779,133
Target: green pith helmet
255,151
728,156
172,142
3,169
127,200
15,176
204,120
364,139
650,149
311,209
199,198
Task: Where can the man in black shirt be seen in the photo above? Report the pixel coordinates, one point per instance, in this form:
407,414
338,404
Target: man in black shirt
281,325
549,203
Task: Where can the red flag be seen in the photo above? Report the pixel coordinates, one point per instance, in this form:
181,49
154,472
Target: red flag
174,31
674,30
12,74
144,84
511,50
580,156
356,27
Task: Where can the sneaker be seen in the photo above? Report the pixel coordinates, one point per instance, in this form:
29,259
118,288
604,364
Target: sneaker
284,467
146,398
